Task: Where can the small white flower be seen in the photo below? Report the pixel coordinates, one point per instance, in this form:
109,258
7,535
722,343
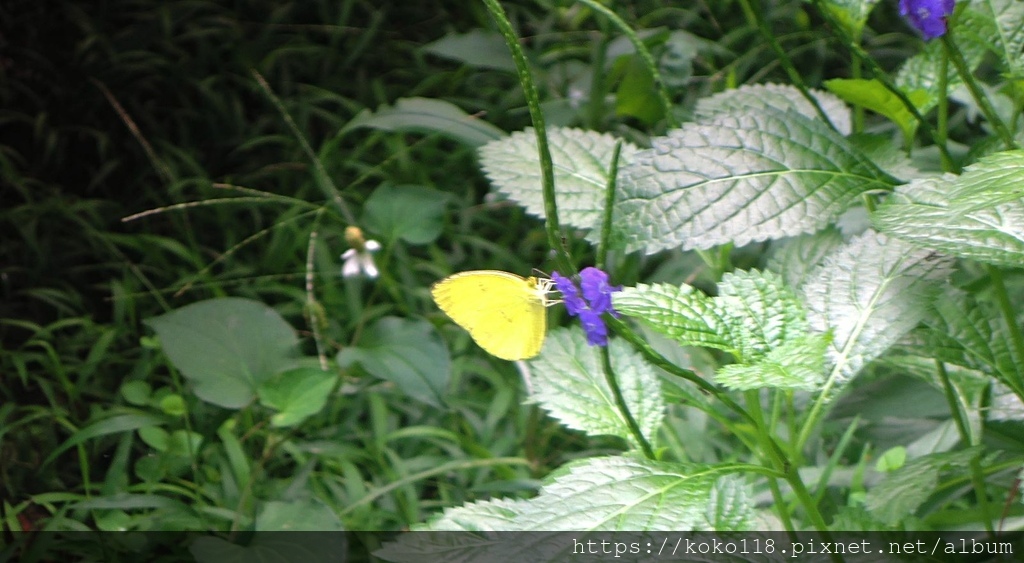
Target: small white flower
359,258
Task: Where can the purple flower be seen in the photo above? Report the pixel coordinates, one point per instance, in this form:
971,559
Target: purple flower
927,16
596,290
596,300
597,333
570,294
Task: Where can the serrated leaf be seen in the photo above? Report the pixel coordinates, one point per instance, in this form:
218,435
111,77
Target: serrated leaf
759,312
479,48
797,364
796,258
752,98
1007,18
608,494
582,160
905,489
872,95
869,292
412,213
409,353
740,179
569,383
426,115
226,347
677,312
978,216
296,394
851,14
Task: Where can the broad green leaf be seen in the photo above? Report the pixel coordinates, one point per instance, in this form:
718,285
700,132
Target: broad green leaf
408,353
296,394
608,494
226,347
760,313
978,216
478,48
796,258
875,97
637,95
426,115
266,545
753,98
797,364
116,424
851,14
414,214
582,160
1007,18
905,489
688,317
740,178
869,293
569,383
136,392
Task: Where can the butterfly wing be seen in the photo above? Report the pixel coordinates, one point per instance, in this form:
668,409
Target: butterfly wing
501,311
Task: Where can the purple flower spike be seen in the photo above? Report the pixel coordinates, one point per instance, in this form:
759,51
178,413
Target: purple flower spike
596,290
597,333
596,300
927,16
570,294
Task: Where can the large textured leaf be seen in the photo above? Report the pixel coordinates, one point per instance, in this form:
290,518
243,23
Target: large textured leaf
226,347
569,382
756,97
740,178
869,292
979,216
905,489
796,258
1007,17
409,353
601,494
755,317
582,160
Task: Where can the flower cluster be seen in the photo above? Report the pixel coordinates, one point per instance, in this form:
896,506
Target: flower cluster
359,258
596,300
927,16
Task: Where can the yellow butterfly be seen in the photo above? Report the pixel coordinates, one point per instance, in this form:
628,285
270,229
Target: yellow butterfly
504,313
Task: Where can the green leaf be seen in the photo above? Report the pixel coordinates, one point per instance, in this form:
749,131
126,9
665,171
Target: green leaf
609,494
978,216
637,95
267,545
906,489
740,179
477,48
752,98
851,14
426,115
581,159
869,293
408,353
116,424
414,214
569,383
797,364
872,95
891,460
1007,18
296,394
688,317
796,258
136,392
226,347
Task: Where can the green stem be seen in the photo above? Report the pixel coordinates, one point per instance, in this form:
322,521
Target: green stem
956,410
957,58
942,120
883,77
1014,380
754,16
554,230
620,402
609,204
641,50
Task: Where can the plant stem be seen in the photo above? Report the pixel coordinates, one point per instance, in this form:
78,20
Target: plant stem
620,402
1010,318
942,120
609,205
554,230
954,54
641,50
